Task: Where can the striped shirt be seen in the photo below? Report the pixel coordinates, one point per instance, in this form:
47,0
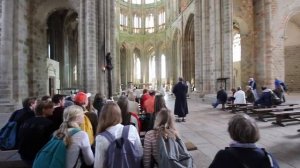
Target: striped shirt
150,148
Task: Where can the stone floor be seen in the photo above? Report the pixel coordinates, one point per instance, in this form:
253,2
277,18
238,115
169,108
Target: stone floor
207,129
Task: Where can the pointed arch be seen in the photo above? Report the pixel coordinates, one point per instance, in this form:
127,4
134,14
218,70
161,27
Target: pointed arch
188,59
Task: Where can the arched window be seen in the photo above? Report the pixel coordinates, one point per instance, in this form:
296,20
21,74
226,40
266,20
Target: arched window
136,1
137,67
149,1
163,66
123,20
152,74
149,23
237,48
161,18
137,21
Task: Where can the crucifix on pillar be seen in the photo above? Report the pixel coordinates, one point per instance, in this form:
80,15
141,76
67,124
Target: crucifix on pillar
109,67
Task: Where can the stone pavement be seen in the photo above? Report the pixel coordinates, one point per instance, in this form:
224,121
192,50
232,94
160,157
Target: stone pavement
207,129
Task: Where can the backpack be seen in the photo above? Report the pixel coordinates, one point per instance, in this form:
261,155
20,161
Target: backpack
121,153
8,135
53,154
173,153
88,128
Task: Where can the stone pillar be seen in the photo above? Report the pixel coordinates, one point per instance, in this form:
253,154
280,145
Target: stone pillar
6,55
81,44
199,19
209,29
106,44
90,61
226,41
263,39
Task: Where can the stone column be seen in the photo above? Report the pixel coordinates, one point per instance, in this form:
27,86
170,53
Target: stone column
90,61
226,41
6,54
199,16
263,52
268,43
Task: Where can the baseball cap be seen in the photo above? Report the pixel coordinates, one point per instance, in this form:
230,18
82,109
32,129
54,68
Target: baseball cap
81,97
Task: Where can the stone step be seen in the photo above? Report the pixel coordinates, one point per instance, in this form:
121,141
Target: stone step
11,159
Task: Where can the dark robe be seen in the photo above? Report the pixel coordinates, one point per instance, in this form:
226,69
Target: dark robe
181,107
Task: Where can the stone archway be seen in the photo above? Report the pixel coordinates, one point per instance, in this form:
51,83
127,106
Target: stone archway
62,42
188,56
243,40
292,53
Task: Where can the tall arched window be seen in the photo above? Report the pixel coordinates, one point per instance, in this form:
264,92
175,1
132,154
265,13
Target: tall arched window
149,1
152,75
123,20
163,66
236,58
237,48
161,18
137,21
136,1
137,67
149,23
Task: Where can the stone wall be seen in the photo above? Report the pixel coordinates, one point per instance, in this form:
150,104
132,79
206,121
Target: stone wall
292,62
281,12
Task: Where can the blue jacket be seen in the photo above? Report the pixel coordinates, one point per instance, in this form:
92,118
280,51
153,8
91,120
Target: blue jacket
265,99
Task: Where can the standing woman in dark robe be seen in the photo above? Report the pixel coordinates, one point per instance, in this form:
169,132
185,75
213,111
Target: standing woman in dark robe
181,107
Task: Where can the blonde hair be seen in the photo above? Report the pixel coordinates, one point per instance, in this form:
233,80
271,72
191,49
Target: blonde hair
110,115
164,124
69,121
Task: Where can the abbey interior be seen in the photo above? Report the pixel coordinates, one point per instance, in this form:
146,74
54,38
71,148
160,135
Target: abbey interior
52,46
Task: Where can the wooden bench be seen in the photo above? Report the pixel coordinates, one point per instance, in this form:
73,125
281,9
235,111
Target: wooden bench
235,107
287,104
263,113
285,116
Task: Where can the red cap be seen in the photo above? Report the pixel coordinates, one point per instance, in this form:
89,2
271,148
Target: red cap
81,97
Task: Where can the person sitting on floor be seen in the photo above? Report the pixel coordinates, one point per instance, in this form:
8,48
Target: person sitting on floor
243,151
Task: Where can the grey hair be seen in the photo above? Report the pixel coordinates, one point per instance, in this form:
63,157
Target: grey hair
243,129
